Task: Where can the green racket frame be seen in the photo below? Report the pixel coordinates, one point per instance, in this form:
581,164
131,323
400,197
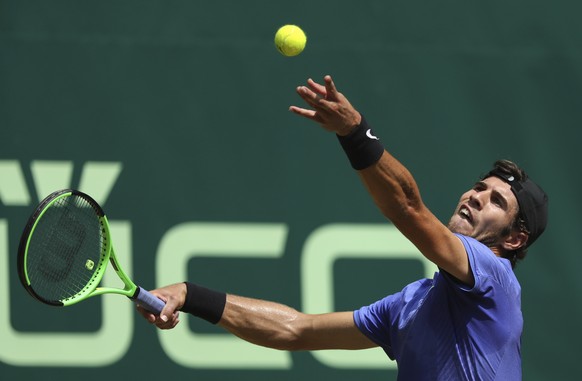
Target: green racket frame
107,255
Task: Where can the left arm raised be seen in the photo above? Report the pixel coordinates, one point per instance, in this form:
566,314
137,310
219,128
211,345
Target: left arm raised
396,194
390,184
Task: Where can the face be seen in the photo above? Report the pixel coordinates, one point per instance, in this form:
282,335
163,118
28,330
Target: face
485,212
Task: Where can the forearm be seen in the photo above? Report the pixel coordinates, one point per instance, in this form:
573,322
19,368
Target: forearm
261,322
264,323
278,326
392,188
396,194
389,183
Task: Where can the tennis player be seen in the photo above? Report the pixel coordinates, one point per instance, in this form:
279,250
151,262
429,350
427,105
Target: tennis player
463,324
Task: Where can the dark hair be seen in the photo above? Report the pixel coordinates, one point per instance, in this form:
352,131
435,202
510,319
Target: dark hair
510,168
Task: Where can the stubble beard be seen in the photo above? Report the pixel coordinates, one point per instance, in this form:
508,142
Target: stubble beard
489,239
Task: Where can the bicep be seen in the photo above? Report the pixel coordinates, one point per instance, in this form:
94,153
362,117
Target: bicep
336,330
438,244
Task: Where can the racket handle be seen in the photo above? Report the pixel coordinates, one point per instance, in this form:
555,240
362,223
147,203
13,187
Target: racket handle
148,301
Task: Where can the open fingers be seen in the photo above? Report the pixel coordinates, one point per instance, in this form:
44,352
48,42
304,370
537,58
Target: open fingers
317,94
309,114
321,106
332,93
317,88
308,95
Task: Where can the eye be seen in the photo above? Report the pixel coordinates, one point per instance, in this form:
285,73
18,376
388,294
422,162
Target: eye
478,187
498,201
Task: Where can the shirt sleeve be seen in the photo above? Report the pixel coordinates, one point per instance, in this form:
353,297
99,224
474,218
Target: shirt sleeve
486,268
381,321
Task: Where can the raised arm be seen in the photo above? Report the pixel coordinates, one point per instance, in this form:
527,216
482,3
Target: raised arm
390,184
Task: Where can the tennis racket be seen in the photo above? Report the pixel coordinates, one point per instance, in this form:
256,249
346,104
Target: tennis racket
64,251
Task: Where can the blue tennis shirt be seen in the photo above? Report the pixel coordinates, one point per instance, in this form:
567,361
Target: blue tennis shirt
440,329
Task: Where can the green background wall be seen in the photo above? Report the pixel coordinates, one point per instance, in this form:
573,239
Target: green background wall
189,99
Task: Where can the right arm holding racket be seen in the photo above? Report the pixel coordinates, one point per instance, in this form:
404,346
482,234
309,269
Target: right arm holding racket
258,321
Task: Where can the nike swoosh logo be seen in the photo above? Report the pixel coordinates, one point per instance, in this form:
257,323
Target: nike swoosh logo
369,134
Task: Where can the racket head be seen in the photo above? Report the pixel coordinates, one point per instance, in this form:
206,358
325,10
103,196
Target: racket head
64,248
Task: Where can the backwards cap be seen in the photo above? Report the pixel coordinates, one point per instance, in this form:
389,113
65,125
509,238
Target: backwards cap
532,200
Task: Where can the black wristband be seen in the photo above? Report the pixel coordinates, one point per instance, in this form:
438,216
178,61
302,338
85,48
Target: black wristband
204,303
361,146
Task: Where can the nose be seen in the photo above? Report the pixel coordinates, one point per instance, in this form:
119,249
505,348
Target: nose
476,200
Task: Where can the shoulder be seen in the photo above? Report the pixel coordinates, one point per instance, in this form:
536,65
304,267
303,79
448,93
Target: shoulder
487,268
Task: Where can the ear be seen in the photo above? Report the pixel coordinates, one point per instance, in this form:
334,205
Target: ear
515,240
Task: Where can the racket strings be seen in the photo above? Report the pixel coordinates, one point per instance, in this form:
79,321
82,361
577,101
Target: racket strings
66,249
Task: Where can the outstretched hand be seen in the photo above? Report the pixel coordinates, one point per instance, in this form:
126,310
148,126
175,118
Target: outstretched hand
174,297
330,108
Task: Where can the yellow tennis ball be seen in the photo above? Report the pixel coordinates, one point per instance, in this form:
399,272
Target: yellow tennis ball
290,40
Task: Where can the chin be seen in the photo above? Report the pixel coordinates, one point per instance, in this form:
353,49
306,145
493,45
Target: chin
460,227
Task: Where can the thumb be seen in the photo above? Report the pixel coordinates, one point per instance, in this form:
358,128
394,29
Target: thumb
167,311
